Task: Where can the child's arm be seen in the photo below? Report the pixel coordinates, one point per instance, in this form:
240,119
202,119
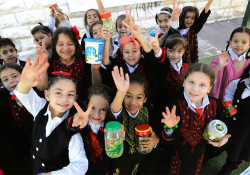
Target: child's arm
175,15
150,142
60,16
51,21
230,90
208,5
107,46
122,85
223,60
96,75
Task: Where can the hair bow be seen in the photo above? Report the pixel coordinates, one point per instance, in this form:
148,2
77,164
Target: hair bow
62,73
125,40
76,31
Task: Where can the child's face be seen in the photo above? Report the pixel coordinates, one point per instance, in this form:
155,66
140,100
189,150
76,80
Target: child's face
8,54
97,31
122,29
131,54
10,78
61,97
47,39
99,110
175,55
196,86
189,19
240,43
92,17
135,98
164,22
65,47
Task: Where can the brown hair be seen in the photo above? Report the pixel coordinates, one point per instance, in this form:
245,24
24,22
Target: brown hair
174,40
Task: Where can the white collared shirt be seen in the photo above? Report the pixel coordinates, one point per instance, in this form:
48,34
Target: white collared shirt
235,57
231,88
78,160
88,33
177,67
184,31
192,106
132,69
17,62
95,127
117,114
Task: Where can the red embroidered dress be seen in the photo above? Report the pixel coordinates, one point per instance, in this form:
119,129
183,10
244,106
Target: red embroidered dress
189,142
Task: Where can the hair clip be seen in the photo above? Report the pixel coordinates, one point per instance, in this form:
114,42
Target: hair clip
62,73
76,31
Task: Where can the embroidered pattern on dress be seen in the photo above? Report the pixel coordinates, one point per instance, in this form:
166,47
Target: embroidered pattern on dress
175,164
199,163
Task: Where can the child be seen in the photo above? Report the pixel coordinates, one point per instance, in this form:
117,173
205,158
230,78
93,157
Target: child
91,16
54,150
229,67
127,108
67,55
8,52
238,147
57,20
191,114
42,32
190,25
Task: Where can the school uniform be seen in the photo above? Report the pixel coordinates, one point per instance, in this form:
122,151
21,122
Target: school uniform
189,144
19,62
53,148
191,35
86,35
15,134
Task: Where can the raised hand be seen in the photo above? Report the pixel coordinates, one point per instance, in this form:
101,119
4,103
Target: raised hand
81,118
59,15
122,84
129,23
129,19
154,43
170,119
224,59
41,50
222,142
176,11
150,142
105,34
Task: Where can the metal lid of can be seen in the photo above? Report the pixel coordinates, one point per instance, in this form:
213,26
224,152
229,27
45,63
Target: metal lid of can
143,130
106,14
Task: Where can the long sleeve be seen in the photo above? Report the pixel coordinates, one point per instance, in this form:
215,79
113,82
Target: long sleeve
51,23
201,21
66,23
31,101
78,161
230,90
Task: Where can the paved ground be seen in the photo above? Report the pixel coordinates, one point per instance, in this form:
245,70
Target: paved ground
212,38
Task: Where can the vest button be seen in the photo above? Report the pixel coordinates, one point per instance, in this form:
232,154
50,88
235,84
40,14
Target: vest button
40,140
36,148
34,157
43,165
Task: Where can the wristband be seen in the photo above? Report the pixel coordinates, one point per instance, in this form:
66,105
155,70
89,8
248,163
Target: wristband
170,129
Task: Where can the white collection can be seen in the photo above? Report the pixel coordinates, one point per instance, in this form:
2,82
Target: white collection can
93,50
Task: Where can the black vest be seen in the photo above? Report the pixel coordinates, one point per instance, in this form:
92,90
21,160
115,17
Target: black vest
49,153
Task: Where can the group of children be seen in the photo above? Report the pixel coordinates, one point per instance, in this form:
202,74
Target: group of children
142,80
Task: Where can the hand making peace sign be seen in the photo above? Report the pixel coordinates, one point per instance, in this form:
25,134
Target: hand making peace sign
176,11
81,118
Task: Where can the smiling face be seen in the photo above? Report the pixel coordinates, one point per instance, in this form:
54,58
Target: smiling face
240,43
135,98
131,54
61,97
99,110
164,22
65,47
10,78
47,39
122,29
197,86
92,17
189,19
8,54
175,55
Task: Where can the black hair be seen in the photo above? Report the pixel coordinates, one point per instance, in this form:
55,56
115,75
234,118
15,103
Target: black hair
100,89
57,22
10,66
139,79
184,12
201,67
240,30
245,73
67,31
175,39
41,28
86,16
91,27
7,42
119,18
167,9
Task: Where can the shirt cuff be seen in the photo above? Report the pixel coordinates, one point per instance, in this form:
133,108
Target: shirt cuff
66,23
169,134
174,24
116,114
158,54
